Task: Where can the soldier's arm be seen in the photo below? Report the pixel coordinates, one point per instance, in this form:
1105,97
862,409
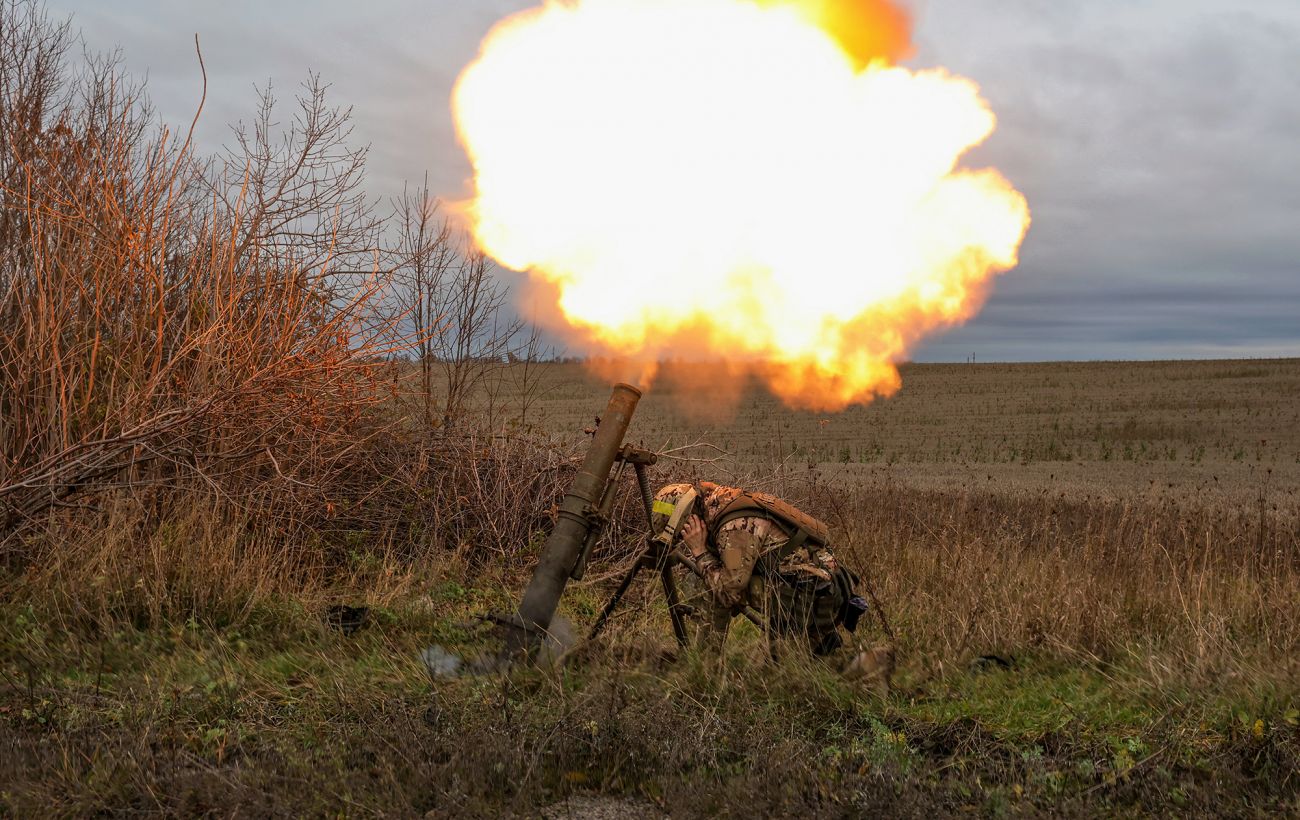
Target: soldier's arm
826,559
726,573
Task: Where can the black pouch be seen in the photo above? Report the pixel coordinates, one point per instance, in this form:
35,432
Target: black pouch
854,609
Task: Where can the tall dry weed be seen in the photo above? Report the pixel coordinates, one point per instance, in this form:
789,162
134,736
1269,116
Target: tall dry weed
1211,590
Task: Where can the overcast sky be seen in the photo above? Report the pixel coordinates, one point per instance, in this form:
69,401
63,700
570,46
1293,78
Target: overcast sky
1158,143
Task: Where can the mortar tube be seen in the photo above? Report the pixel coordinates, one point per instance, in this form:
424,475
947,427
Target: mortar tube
564,545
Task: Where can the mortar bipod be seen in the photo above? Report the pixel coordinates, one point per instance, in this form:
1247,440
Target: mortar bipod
657,555
661,559
661,555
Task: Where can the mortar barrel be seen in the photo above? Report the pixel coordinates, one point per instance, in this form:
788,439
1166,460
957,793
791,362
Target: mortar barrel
564,545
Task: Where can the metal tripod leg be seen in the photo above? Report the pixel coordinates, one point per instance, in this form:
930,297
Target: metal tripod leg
670,595
653,557
612,604
674,603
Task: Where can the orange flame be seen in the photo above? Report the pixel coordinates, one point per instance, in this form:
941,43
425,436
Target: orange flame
752,180
867,30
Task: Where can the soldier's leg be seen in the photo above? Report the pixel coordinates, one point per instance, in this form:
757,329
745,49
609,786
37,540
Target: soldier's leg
824,620
700,607
789,603
716,622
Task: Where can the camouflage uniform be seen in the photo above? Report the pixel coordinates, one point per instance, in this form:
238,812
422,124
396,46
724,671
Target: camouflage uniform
801,598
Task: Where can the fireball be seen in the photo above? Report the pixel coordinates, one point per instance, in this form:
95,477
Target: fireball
755,181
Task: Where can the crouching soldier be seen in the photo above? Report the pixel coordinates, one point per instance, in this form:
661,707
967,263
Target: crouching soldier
755,549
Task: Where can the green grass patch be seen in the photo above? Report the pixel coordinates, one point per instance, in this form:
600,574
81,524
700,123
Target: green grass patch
304,719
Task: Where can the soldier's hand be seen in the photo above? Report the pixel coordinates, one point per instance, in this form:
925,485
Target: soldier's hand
694,535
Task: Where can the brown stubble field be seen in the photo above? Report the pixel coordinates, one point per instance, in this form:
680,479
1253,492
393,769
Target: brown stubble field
1147,512
1183,421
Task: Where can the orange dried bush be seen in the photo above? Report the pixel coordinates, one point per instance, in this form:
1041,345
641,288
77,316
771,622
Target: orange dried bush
172,325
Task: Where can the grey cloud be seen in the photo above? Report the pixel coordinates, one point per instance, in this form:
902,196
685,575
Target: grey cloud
1158,143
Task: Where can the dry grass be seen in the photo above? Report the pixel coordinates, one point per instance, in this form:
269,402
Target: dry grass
989,507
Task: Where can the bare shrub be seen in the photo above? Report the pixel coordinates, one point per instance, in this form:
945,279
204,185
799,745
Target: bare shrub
198,354
167,322
454,307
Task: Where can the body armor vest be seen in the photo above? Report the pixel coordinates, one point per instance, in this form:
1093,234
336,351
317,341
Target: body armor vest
803,605
802,527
